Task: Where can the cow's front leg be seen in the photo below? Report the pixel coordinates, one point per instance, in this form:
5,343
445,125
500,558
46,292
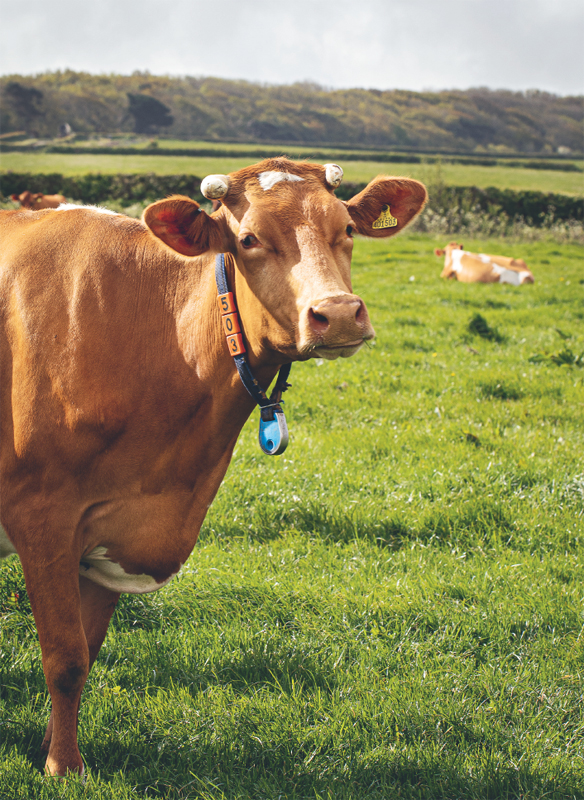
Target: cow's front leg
97,607
53,589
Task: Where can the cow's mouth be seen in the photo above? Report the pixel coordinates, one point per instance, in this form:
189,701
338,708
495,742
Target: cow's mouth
332,351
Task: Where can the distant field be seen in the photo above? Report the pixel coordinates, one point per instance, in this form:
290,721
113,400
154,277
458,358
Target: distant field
358,171
391,609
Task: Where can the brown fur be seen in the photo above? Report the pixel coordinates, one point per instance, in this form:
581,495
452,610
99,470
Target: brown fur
120,404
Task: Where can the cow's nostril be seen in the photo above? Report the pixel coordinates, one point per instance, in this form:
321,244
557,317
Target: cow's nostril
318,322
360,315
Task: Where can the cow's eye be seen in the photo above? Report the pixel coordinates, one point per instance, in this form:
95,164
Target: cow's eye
249,241
349,230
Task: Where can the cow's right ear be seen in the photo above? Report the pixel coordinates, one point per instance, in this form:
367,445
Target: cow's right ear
14,197
439,252
182,225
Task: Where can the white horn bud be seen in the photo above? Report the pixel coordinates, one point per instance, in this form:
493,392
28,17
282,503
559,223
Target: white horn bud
215,186
334,175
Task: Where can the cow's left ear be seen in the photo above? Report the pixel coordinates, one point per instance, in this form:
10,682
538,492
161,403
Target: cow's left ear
182,225
387,205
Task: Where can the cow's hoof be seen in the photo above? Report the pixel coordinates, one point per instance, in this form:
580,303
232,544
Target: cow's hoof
54,769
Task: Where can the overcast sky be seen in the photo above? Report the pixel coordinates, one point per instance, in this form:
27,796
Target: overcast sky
383,44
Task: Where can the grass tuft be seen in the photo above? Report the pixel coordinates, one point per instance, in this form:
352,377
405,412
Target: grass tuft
479,326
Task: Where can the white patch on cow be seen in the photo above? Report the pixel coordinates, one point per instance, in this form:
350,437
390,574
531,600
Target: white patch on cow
97,567
456,256
510,276
485,259
269,179
506,275
6,546
99,209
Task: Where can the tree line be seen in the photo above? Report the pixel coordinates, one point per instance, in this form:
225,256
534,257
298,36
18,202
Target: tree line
214,109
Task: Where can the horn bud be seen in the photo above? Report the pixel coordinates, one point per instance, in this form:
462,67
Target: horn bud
215,186
333,175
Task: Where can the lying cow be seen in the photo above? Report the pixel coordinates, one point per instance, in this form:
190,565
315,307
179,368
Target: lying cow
121,403
479,268
38,201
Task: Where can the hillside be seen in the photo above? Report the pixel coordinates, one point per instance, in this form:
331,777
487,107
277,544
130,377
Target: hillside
476,120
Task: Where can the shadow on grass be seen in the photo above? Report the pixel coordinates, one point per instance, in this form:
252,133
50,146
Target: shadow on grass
479,521
200,765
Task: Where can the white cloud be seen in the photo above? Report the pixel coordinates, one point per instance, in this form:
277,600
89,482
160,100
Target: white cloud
516,44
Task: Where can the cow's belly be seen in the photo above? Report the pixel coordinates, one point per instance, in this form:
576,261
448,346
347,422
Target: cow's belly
100,569
6,546
97,567
514,277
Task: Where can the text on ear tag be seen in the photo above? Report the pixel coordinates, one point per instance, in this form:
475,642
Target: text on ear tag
385,220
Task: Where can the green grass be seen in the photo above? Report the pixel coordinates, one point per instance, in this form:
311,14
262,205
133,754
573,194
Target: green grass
359,171
394,607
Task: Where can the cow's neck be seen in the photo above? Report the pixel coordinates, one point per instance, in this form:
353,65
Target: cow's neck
203,343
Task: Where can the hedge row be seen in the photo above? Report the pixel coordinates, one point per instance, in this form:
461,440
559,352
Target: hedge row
97,188
202,152
534,207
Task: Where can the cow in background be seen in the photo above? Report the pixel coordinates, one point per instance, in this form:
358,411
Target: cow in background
38,201
480,268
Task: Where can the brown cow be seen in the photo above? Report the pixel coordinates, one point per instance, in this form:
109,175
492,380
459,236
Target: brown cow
38,201
479,268
120,402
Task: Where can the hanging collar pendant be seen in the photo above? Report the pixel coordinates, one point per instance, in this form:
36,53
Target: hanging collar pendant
273,433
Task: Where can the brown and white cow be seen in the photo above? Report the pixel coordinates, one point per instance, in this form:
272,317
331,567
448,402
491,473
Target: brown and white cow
467,267
120,402
38,201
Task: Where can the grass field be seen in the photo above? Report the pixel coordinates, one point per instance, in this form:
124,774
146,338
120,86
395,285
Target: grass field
358,171
394,607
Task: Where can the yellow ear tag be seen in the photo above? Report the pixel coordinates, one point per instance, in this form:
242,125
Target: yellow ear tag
385,220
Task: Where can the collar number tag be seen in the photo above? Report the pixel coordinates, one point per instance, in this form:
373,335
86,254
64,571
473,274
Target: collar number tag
385,220
273,435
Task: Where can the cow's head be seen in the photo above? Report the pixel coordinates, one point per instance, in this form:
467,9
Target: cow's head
26,199
447,271
292,241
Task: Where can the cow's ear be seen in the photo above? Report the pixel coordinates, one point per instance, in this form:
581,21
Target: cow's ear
439,252
387,205
182,225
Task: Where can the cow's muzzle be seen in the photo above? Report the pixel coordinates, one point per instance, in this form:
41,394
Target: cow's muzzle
335,327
